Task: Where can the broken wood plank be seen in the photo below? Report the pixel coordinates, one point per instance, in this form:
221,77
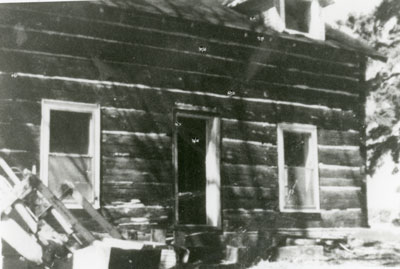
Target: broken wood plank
61,209
95,215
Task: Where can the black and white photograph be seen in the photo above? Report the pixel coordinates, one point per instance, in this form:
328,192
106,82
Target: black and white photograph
199,134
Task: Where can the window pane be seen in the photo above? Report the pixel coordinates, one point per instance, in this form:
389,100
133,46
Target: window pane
192,170
69,132
297,15
296,148
77,170
299,188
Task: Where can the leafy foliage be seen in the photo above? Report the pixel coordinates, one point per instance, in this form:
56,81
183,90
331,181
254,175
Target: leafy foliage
382,30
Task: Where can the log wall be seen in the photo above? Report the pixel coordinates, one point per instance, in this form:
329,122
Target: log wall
139,67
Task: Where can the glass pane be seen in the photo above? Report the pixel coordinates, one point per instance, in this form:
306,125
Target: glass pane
297,15
296,148
192,170
299,191
71,169
69,132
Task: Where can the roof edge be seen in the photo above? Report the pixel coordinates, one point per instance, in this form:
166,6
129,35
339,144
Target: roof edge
358,44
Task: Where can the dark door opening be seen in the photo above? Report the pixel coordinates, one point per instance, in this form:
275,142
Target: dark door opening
191,151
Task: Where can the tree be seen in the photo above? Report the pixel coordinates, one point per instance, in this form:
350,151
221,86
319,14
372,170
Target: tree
382,30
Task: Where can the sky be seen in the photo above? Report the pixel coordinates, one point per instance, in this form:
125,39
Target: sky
342,8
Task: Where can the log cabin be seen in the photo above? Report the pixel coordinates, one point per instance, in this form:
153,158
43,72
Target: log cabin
228,119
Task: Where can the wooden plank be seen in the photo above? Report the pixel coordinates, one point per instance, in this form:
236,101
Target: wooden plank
340,156
86,16
249,131
327,171
342,218
251,204
249,175
93,67
96,215
338,138
128,211
135,164
61,209
242,152
37,88
254,110
341,198
259,193
148,194
256,220
141,146
136,121
340,182
262,220
164,100
135,176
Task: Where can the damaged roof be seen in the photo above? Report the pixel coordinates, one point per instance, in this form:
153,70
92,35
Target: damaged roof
216,12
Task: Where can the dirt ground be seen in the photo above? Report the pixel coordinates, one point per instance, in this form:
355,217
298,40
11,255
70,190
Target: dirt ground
367,249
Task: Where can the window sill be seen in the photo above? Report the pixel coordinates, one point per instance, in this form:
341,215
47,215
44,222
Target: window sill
310,211
198,228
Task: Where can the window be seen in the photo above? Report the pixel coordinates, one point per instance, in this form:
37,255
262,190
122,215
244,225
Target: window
298,168
197,169
70,148
302,16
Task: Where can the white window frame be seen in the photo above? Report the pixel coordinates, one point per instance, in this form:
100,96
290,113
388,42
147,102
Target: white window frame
317,23
313,153
213,174
94,140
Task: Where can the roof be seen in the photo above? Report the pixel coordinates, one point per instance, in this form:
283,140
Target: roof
216,12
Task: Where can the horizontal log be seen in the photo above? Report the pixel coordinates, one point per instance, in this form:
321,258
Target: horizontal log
242,152
340,182
330,171
89,21
338,138
20,136
262,220
135,121
250,204
140,146
128,211
343,218
253,193
138,164
148,194
256,221
153,56
133,177
249,131
161,100
145,73
31,88
340,156
134,170
341,198
249,175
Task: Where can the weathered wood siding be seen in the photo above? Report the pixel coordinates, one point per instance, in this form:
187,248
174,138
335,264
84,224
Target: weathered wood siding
139,66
